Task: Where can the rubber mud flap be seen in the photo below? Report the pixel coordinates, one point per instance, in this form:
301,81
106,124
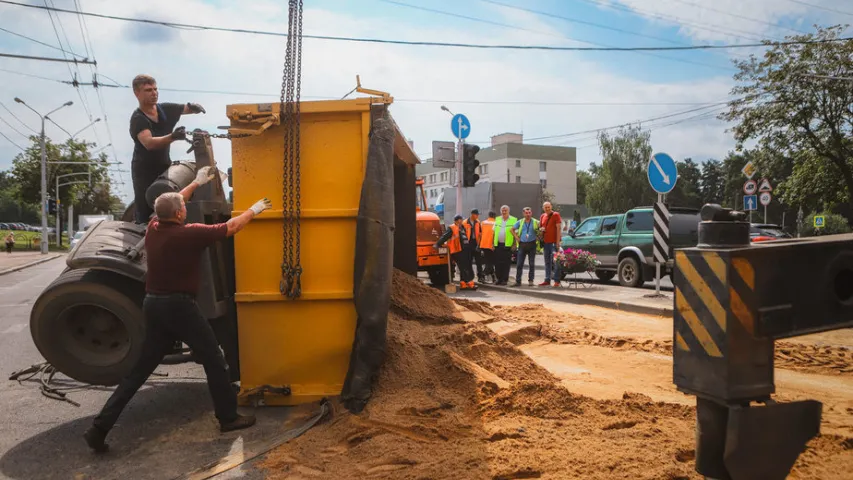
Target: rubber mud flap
374,263
765,442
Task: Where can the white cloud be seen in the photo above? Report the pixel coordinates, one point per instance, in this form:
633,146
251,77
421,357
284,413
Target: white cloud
208,60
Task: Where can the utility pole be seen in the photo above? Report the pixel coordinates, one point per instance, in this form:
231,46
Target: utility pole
44,239
459,147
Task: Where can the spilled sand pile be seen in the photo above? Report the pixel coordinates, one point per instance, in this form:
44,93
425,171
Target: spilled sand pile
455,400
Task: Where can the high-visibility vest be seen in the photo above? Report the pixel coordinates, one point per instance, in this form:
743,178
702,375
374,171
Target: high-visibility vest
478,230
488,235
534,227
507,227
454,244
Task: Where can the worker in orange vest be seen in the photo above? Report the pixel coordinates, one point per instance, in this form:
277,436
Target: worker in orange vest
474,230
487,249
456,236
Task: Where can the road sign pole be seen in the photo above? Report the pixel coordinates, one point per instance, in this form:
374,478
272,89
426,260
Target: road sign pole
657,263
765,214
459,148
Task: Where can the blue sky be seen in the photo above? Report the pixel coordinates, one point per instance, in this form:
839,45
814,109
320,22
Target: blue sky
420,78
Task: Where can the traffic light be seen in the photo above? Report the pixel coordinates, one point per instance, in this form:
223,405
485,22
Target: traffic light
51,206
469,165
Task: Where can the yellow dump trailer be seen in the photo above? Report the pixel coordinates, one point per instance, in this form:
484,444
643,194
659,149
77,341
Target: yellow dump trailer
295,350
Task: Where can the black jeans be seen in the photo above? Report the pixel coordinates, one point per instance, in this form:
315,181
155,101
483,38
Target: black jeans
488,260
169,318
142,179
476,260
525,249
463,262
503,259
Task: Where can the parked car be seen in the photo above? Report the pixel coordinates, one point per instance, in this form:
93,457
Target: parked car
623,242
76,239
762,232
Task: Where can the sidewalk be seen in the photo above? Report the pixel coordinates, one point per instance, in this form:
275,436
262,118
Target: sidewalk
21,260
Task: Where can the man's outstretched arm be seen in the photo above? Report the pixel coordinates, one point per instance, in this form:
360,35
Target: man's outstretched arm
237,223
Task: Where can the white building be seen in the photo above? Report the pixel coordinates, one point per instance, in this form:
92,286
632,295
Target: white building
510,160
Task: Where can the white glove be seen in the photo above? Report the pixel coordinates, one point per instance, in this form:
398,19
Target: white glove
203,176
261,205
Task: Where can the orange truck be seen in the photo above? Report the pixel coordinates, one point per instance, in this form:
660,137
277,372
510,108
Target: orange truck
432,260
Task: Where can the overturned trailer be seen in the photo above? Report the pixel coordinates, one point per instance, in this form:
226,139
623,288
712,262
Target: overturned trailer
353,224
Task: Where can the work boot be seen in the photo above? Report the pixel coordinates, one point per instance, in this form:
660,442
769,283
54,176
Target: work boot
472,285
94,437
463,286
239,423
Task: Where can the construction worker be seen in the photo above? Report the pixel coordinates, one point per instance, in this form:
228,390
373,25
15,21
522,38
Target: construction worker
456,236
151,128
504,244
473,228
487,248
526,232
174,252
550,225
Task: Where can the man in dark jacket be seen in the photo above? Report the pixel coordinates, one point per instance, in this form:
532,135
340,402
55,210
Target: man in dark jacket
473,244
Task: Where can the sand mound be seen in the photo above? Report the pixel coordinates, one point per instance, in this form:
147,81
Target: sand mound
456,400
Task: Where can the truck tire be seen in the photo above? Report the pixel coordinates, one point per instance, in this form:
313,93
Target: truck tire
439,277
89,325
630,274
605,275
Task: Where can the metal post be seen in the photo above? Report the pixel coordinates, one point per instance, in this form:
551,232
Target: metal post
70,222
58,231
44,239
657,264
765,214
459,177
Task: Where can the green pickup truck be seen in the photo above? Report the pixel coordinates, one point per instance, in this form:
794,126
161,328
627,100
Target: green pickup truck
623,242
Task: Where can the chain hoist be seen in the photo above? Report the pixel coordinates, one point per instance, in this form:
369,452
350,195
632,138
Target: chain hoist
291,269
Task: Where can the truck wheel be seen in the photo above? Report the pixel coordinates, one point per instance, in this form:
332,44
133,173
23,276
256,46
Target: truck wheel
605,275
89,325
439,277
629,271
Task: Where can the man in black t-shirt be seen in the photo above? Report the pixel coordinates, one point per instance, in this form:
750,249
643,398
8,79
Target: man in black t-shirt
152,128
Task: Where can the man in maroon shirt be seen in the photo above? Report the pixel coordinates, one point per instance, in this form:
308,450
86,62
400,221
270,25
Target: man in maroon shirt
173,251
550,226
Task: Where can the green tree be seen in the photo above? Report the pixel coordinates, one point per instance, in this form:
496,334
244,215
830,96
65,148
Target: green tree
88,198
687,191
792,102
711,182
584,179
834,224
620,182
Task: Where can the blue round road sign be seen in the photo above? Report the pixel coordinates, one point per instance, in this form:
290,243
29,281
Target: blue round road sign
460,126
662,173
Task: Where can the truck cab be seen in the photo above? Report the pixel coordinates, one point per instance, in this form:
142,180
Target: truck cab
430,259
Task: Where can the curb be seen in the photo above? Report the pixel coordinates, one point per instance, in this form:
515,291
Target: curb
31,264
561,297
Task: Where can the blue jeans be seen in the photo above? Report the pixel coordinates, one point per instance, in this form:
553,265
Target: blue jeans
548,251
525,249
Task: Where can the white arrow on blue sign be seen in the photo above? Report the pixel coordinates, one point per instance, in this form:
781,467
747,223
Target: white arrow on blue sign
460,126
750,202
662,173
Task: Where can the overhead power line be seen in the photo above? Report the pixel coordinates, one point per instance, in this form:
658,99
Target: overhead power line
48,59
39,42
10,141
18,119
735,15
807,4
432,43
13,127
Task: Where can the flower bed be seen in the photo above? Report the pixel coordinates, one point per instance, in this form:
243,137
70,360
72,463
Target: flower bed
577,261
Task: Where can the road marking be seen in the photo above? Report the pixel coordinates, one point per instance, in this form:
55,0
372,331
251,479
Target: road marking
16,328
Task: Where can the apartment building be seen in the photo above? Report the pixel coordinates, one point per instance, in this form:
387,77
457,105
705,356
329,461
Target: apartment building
510,160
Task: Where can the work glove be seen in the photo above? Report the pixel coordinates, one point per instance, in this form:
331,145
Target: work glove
261,205
195,108
204,175
179,133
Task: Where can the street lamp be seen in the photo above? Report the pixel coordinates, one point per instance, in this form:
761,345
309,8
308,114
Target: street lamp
44,244
446,110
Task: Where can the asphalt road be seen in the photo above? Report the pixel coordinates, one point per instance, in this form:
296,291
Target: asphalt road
167,430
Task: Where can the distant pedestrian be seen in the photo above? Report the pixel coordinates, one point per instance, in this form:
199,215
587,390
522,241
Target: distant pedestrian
487,248
10,242
504,245
550,225
526,231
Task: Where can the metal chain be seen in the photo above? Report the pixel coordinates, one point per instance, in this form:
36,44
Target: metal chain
291,270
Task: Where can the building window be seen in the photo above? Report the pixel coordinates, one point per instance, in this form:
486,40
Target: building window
518,179
543,182
444,176
543,166
518,164
432,178
485,169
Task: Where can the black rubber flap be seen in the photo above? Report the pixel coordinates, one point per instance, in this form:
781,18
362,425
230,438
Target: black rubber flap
374,261
763,443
